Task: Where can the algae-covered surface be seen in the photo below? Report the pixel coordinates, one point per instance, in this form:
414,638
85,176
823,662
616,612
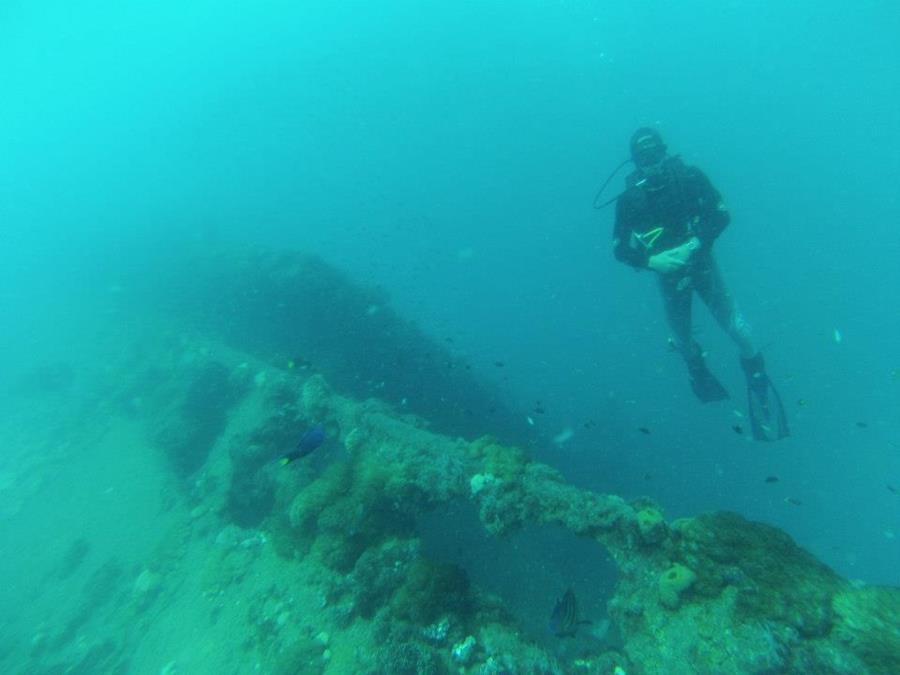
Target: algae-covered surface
150,527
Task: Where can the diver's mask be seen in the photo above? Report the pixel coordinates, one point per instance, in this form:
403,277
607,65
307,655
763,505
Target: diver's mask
648,152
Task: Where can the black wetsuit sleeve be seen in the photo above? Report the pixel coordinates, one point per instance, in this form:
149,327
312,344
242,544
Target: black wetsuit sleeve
712,214
627,219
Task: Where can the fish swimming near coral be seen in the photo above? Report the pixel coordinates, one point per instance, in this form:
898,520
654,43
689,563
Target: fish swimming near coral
312,439
564,620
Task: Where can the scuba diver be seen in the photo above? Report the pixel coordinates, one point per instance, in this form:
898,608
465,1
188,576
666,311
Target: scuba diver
667,220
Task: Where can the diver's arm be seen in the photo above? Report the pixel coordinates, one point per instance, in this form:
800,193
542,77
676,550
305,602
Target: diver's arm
712,214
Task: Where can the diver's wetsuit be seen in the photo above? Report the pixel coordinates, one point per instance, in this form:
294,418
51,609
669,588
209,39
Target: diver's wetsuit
667,219
661,212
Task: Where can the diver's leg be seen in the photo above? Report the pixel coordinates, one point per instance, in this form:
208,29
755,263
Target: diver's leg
712,289
768,421
677,303
677,292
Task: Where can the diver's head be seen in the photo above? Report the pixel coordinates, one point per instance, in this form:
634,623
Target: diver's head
647,148
648,152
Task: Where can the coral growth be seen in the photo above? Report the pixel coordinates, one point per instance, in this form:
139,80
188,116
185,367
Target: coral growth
867,621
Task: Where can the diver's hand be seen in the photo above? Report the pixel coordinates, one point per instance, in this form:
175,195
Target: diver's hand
665,262
686,251
674,259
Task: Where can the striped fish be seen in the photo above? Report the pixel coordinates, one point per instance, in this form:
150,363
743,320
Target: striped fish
564,619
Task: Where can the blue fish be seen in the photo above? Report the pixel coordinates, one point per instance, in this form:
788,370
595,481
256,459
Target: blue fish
311,440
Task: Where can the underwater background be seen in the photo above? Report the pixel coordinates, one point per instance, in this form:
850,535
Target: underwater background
446,154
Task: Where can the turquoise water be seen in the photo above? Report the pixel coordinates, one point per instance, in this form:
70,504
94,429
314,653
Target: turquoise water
448,153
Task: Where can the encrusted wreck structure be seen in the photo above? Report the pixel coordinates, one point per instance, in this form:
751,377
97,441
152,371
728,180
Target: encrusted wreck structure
321,566
710,594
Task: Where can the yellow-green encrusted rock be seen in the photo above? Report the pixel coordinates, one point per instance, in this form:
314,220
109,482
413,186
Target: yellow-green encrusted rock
652,525
673,582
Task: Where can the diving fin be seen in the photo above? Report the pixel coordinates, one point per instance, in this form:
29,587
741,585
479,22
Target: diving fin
705,385
768,421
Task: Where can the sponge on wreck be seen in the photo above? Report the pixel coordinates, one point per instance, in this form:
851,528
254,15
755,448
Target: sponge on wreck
673,582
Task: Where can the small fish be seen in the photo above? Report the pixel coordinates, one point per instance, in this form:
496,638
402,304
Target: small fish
738,429
793,501
862,425
801,402
891,488
838,338
564,619
538,410
499,364
311,440
644,430
771,479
